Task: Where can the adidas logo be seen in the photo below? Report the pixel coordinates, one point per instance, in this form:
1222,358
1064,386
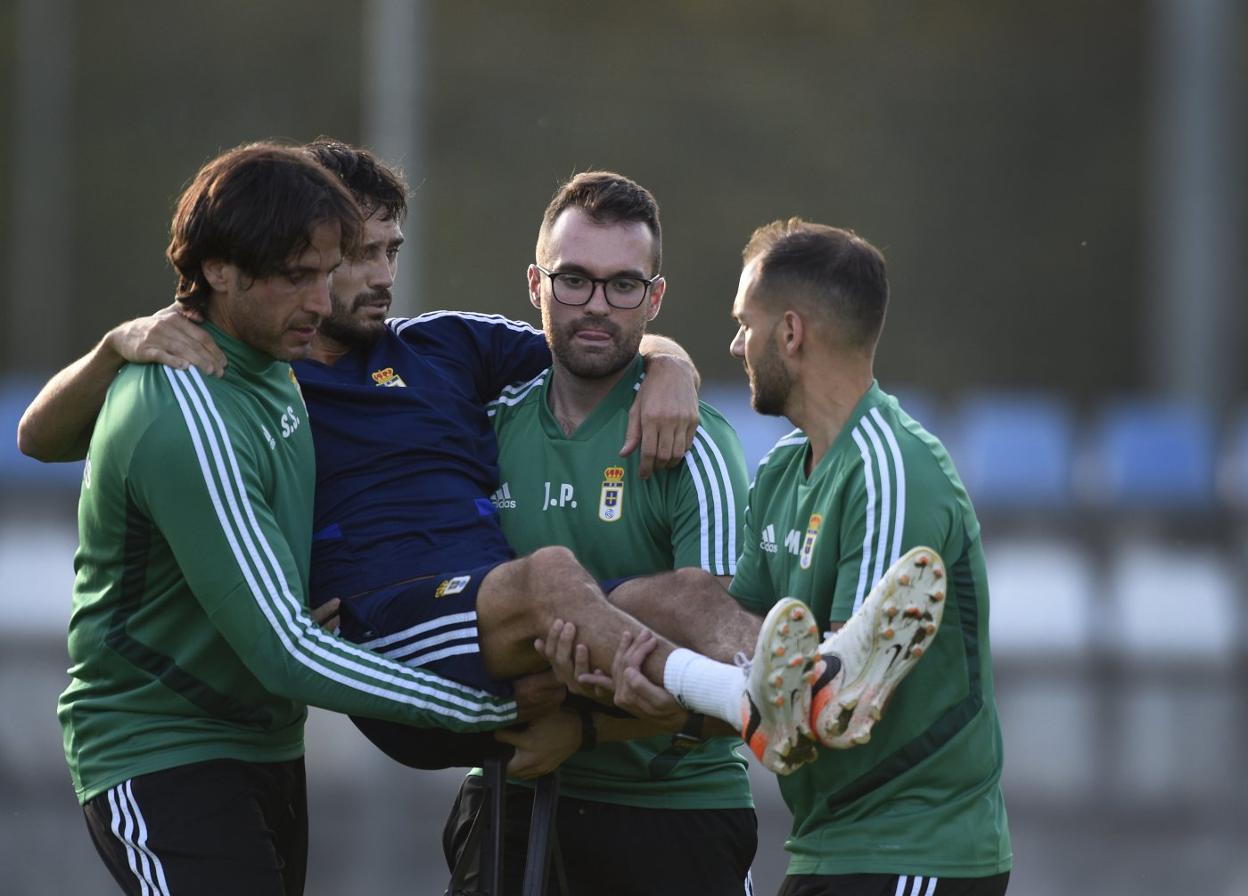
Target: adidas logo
768,541
502,498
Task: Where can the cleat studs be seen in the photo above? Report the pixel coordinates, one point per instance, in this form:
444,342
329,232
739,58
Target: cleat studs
937,596
938,573
779,651
916,651
813,630
784,628
890,611
922,560
796,661
778,700
811,677
913,612
778,681
887,634
903,580
930,628
797,613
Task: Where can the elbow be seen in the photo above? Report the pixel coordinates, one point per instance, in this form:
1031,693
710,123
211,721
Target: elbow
28,443
32,443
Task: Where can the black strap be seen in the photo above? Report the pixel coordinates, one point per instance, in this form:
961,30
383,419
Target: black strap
686,740
486,826
589,731
543,842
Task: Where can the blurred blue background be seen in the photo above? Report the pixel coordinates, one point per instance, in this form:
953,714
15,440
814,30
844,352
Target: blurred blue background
1059,189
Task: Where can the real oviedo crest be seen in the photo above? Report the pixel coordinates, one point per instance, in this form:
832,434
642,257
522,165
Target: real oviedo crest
611,502
808,543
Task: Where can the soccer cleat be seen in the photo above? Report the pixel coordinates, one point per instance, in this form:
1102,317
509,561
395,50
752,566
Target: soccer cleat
775,708
869,655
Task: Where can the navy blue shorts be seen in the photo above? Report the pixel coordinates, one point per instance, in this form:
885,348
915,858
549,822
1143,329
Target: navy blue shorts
430,622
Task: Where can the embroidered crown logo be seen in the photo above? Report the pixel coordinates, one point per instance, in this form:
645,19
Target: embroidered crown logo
808,544
611,501
387,377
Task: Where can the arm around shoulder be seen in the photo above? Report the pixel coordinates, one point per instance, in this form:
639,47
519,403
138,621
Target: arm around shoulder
58,423
664,416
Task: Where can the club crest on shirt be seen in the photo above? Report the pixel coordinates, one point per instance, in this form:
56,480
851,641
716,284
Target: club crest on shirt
295,382
452,586
808,543
387,377
611,502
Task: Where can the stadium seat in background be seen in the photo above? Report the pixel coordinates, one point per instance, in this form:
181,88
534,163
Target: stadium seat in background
1042,591
1043,594
1174,627
37,569
1014,452
1173,602
1151,455
18,473
758,433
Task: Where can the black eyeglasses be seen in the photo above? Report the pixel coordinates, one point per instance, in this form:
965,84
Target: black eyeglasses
571,288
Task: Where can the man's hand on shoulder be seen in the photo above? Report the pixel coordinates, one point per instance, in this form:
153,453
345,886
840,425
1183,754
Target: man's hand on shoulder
664,416
172,336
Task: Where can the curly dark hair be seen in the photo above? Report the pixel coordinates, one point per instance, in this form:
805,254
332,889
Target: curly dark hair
375,185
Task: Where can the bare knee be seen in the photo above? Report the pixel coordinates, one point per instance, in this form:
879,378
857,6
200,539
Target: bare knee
555,584
520,599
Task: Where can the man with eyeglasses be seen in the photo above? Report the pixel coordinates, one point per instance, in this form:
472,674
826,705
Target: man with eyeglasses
681,799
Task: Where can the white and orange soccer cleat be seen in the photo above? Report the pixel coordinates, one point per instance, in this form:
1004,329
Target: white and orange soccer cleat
869,655
775,709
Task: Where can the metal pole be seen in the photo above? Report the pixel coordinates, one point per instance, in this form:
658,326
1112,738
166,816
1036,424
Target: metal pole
394,54
1193,244
41,228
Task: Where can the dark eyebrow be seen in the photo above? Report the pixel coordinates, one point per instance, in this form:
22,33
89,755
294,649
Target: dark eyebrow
577,269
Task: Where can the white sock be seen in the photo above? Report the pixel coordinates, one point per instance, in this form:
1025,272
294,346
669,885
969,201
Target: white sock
704,685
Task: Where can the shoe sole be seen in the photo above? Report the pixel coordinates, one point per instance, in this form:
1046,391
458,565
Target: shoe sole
905,609
786,663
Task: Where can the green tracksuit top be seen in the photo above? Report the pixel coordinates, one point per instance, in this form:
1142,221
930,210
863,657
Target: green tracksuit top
923,796
189,637
577,491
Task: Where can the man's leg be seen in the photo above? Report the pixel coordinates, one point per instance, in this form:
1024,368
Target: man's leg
519,600
847,680
210,827
692,608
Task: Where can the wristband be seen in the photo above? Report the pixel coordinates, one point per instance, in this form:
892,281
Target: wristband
589,731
